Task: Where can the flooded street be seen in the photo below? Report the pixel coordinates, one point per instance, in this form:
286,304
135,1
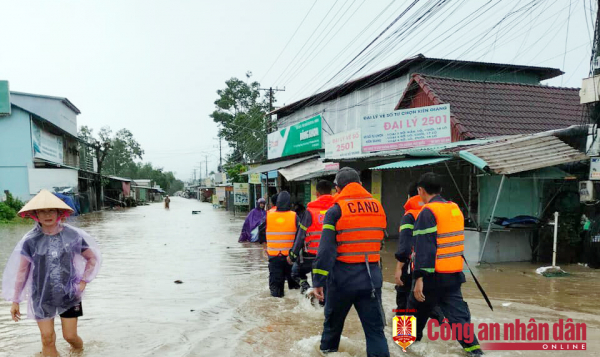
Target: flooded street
223,307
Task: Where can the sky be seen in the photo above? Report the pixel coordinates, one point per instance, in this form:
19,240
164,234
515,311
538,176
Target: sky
154,66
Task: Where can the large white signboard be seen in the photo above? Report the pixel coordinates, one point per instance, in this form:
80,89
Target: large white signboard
45,145
406,128
343,145
51,179
241,194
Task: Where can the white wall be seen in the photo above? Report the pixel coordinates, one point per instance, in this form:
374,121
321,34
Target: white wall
50,178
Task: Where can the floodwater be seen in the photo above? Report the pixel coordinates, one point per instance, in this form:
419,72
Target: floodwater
223,307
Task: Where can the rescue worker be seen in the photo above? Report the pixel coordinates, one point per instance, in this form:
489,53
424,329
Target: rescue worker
348,255
403,276
273,203
280,233
307,240
438,274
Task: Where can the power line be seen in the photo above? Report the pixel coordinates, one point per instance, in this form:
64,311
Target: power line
288,42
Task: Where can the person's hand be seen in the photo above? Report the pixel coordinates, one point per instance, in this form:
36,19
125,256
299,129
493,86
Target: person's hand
319,293
82,285
289,260
15,312
418,291
398,275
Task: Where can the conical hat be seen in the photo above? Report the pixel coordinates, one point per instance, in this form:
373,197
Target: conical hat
44,200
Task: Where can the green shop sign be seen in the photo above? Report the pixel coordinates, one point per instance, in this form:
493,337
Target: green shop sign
4,98
302,137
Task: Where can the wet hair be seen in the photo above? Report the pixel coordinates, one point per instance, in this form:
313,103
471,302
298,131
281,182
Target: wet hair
430,182
274,199
412,189
324,187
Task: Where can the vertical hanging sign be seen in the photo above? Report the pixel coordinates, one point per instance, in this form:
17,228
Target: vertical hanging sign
4,98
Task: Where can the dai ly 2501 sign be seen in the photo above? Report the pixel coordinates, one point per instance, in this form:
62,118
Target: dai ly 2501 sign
302,137
407,128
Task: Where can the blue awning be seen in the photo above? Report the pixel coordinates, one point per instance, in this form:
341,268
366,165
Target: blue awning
404,164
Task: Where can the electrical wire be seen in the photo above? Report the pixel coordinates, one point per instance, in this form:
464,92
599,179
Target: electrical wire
288,42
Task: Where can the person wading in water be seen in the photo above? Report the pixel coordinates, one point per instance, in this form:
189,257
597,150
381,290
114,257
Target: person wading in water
50,267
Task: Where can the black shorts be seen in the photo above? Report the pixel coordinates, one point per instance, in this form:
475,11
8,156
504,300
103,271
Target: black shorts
75,311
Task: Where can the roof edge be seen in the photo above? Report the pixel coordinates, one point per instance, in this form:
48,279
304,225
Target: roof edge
64,100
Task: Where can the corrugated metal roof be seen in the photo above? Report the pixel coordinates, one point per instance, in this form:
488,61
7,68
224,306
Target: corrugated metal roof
404,164
522,153
433,150
401,68
316,175
277,165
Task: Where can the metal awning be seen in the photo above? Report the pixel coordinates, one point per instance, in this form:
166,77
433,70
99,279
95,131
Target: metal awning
420,151
404,164
521,153
277,165
316,175
309,169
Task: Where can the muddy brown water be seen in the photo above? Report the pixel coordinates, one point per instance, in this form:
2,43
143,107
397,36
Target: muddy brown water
223,307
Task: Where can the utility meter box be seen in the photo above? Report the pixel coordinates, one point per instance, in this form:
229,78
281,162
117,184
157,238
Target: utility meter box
586,191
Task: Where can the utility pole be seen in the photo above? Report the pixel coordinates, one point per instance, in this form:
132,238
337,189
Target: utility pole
269,123
220,156
206,165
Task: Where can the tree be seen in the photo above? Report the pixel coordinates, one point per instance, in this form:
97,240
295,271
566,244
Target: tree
119,150
124,150
242,114
233,173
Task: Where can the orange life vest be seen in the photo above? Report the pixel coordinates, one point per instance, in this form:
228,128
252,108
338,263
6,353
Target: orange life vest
413,207
281,231
450,236
317,210
273,209
360,229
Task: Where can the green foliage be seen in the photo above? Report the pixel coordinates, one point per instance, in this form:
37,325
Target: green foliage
7,213
119,152
166,180
233,173
242,114
124,150
14,203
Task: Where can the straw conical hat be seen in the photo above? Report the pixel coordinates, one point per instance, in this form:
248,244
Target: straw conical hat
44,200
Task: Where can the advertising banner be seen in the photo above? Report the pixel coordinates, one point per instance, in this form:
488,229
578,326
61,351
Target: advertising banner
241,194
406,128
302,137
45,145
221,193
254,178
595,168
346,144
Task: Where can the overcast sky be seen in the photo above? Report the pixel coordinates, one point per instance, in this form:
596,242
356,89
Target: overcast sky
154,66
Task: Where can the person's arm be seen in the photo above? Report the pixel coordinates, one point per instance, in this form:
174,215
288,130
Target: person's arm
405,244
300,236
262,232
327,252
21,279
425,234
